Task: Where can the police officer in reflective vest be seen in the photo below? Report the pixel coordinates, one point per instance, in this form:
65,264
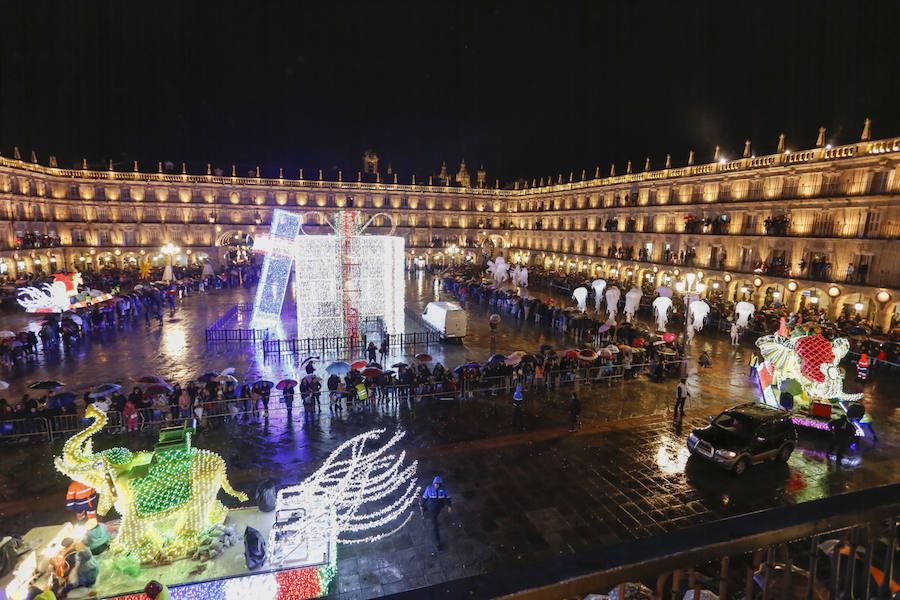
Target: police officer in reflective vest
433,500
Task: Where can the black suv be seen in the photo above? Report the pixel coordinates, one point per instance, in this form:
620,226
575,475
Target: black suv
743,435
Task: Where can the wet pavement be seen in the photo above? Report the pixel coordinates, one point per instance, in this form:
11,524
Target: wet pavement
519,496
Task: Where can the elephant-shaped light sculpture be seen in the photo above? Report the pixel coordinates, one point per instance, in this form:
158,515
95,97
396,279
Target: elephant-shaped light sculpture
580,295
598,286
699,310
744,310
498,269
612,304
632,301
661,308
167,498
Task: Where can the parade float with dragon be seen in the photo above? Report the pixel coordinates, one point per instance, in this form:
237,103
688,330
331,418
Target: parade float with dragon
801,372
169,508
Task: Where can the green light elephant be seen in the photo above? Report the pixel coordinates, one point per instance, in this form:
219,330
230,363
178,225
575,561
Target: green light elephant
167,498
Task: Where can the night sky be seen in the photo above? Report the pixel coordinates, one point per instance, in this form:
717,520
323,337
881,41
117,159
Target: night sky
528,89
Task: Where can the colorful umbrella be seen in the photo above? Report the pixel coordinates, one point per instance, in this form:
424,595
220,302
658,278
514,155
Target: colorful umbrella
571,353
423,357
587,354
603,328
264,383
613,349
338,367
286,382
497,358
225,379
669,337
512,359
370,372
359,364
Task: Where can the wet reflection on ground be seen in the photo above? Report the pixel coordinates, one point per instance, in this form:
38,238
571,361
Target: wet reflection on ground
519,497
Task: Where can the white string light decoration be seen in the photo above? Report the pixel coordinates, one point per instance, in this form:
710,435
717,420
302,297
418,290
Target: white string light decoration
599,285
339,501
632,300
612,304
661,308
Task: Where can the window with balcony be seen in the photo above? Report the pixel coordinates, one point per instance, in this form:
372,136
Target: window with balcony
102,214
78,236
75,213
823,224
105,238
129,238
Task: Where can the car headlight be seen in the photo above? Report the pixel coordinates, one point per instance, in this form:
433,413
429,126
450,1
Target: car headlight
693,439
726,453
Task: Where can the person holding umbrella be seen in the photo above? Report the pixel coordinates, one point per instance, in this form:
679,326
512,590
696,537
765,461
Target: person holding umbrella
517,408
287,394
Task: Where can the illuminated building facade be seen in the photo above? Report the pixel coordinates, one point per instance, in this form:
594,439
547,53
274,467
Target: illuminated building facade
781,227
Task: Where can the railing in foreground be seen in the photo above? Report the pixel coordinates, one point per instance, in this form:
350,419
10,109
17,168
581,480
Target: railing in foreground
338,345
797,552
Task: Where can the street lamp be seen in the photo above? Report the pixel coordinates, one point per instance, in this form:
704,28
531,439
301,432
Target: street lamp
170,250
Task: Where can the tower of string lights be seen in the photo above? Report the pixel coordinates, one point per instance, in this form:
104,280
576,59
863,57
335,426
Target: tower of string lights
340,278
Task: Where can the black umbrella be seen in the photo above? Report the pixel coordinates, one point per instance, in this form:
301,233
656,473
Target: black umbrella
399,364
497,358
375,364
207,377
46,385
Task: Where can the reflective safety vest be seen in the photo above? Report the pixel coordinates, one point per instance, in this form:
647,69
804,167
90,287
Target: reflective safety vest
361,391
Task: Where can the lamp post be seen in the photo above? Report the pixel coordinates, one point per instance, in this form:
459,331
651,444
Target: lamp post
169,250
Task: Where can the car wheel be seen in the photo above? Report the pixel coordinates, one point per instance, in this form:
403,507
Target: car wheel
784,453
741,466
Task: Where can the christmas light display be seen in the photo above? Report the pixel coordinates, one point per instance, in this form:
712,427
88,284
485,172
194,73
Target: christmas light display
810,360
744,310
339,279
612,304
356,496
632,301
598,285
59,296
580,295
661,308
498,269
167,498
520,276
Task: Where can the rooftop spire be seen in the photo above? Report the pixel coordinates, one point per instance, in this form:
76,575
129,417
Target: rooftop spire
668,161
780,144
647,164
628,168
867,131
716,154
612,170
691,158
747,149
820,141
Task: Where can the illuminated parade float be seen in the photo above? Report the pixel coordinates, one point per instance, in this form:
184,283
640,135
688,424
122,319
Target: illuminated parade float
173,529
59,296
339,279
801,373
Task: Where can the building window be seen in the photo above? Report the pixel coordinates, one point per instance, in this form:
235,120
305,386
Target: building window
77,236
102,214
105,238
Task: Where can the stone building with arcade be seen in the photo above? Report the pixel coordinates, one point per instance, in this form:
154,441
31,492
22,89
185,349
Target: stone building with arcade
818,225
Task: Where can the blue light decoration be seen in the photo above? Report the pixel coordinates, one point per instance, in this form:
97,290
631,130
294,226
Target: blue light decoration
276,269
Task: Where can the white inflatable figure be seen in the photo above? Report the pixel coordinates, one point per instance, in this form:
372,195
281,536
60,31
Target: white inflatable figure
632,301
598,285
697,312
514,275
744,310
612,304
664,291
580,295
735,334
523,277
498,269
661,308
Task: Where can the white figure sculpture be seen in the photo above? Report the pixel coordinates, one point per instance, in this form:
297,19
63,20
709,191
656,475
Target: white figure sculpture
580,295
661,308
744,311
698,310
498,269
598,285
523,277
612,304
735,334
514,274
632,301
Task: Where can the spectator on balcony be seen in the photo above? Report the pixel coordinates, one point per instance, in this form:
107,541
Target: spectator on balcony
850,270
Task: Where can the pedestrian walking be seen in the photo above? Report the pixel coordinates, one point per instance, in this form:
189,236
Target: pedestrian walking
288,396
433,500
371,351
842,434
681,394
383,351
517,420
574,410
